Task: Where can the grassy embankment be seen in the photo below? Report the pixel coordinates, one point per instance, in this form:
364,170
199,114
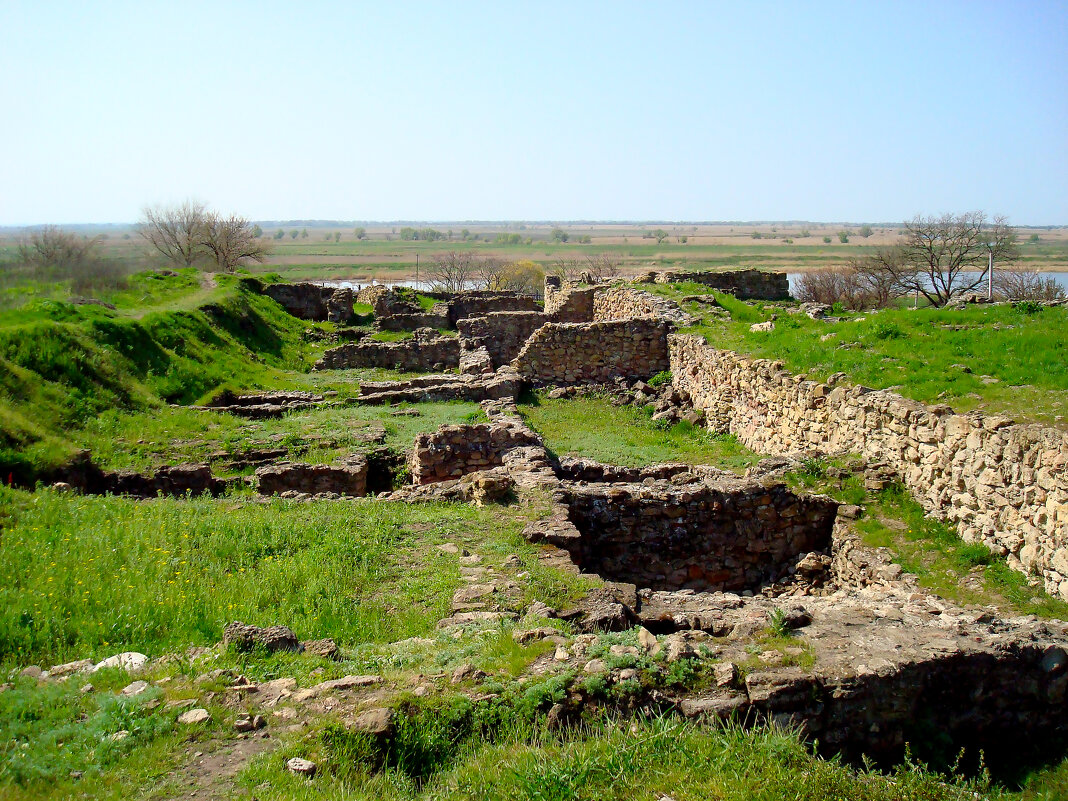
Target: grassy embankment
1001,359
88,577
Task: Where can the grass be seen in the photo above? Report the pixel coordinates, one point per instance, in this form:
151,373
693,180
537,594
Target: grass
147,440
91,576
1001,359
61,366
457,757
591,427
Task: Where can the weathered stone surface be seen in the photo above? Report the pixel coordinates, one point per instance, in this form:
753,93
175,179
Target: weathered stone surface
313,301
341,479
272,638
326,648
376,722
1002,484
570,353
302,767
419,354
130,661
192,717
725,535
743,284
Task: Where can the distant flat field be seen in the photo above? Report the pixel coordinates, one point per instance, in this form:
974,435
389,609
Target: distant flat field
333,252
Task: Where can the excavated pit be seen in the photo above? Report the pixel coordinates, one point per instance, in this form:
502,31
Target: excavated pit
702,536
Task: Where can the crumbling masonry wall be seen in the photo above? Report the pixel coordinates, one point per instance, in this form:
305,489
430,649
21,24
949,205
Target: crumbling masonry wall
313,302
622,303
417,354
1001,483
743,284
454,451
570,353
700,537
503,334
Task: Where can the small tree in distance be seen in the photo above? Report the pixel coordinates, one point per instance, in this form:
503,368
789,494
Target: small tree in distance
175,231
231,242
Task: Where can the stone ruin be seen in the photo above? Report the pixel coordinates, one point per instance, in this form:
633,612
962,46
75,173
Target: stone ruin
713,559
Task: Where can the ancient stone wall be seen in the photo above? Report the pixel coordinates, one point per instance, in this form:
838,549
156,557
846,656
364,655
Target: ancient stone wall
453,451
567,302
700,537
743,284
420,353
502,333
478,303
1002,484
570,353
413,322
621,303
312,302
313,479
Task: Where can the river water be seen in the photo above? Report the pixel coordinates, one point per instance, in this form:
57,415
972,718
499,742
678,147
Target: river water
424,286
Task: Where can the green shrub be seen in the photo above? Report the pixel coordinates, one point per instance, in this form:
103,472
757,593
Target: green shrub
660,379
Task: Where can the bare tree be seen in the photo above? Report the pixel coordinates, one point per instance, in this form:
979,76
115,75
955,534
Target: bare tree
603,266
453,271
51,250
592,268
177,232
231,242
1014,285
945,256
490,272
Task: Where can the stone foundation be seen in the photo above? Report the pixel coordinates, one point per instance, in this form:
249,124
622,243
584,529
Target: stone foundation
314,479
454,451
743,284
1002,484
503,334
699,536
594,353
424,352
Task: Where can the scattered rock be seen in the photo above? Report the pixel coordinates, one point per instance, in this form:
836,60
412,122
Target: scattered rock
247,723
448,547
327,649
130,661
302,767
467,672
70,668
762,327
194,716
531,635
32,672
134,688
595,666
376,722
648,642
86,689
348,683
272,638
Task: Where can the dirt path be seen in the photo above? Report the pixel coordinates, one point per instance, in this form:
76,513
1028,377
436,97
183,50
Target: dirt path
211,769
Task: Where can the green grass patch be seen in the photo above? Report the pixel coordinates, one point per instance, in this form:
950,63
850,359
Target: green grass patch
149,439
458,753
1003,359
591,427
92,576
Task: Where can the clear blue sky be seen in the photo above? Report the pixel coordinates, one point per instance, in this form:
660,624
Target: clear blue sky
451,111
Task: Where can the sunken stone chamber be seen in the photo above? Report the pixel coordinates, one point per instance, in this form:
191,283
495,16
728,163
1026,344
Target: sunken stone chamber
730,536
